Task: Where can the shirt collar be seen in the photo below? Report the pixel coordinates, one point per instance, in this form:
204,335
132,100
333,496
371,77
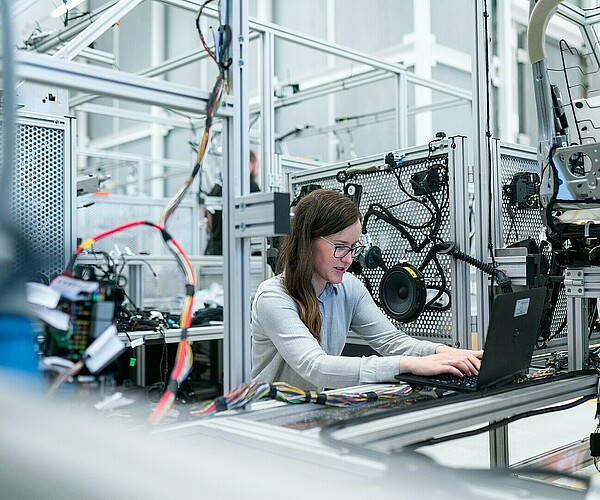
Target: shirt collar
328,290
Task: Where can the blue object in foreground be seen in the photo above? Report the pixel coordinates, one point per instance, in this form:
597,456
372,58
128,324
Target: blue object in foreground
17,341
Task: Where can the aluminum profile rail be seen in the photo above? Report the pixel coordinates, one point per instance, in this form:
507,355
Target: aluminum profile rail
39,68
397,431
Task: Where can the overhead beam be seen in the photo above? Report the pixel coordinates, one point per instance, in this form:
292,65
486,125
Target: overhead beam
370,119
40,68
47,43
71,49
178,62
129,114
327,47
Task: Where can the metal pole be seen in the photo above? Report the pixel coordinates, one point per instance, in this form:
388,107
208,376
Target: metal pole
499,448
480,100
401,110
236,182
270,182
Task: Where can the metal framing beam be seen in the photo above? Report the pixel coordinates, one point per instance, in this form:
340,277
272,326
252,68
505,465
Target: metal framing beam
401,103
481,157
384,68
581,285
129,114
377,117
180,61
236,182
327,47
403,76
72,48
39,68
47,43
267,54
394,432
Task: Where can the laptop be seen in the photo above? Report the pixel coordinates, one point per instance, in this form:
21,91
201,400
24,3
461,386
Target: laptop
512,333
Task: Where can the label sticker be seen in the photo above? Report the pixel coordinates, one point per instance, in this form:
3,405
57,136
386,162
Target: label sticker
73,288
137,342
521,307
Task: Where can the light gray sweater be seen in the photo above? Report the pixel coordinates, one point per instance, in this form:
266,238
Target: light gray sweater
284,350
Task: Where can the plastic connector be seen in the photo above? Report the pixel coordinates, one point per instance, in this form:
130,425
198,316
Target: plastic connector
503,281
373,258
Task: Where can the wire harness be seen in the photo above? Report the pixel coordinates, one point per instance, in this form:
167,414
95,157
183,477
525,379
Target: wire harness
245,394
184,358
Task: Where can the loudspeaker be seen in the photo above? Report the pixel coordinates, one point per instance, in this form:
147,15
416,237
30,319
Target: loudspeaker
402,292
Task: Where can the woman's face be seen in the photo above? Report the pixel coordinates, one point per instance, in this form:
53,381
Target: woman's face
326,267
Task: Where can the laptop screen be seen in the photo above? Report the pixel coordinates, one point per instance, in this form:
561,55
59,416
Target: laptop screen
511,335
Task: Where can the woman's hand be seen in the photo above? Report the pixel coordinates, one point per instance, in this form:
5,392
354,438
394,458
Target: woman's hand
458,362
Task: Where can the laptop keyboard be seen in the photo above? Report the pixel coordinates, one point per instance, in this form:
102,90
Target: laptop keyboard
468,381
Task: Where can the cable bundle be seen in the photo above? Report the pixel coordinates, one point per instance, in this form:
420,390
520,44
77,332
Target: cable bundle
184,358
293,395
213,104
238,398
182,368
253,391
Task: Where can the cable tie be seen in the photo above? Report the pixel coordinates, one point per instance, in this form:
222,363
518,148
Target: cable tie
189,290
321,398
272,392
220,403
371,396
307,396
172,386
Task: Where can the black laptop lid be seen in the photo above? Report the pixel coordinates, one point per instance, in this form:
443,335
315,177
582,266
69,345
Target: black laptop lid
512,332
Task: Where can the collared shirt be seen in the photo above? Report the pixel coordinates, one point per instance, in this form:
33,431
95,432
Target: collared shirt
284,350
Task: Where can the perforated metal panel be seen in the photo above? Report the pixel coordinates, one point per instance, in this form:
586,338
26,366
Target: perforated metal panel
516,224
381,186
41,204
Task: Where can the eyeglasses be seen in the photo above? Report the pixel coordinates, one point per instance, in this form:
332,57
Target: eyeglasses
340,251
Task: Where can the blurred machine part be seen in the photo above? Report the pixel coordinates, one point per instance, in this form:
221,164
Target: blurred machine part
87,184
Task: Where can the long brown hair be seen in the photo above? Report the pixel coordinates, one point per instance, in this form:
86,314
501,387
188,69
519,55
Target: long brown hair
321,213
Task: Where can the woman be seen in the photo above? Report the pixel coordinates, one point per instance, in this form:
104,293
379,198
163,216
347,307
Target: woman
300,319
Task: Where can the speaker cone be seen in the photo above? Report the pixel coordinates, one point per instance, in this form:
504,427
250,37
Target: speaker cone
402,292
